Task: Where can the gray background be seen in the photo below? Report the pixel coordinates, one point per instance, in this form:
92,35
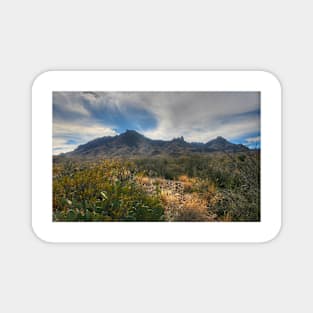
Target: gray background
41,35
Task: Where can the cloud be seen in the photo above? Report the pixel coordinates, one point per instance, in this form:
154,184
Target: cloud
68,136
68,105
253,139
198,116
203,116
61,145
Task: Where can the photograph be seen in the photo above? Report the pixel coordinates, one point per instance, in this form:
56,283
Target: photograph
159,156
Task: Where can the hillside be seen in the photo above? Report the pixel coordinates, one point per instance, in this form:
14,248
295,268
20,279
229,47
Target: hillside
134,144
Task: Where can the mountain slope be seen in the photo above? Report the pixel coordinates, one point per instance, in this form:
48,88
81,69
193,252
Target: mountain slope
132,144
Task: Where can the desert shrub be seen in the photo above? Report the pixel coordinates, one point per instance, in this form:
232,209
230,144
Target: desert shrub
130,190
189,184
231,206
169,199
103,191
194,209
189,215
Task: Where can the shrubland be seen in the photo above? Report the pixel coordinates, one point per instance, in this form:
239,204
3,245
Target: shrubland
219,186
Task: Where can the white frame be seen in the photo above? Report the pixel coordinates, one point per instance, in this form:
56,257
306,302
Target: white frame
262,81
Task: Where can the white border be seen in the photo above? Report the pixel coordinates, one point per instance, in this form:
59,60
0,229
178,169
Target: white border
262,81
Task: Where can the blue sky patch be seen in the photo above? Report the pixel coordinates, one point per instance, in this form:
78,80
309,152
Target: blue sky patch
79,117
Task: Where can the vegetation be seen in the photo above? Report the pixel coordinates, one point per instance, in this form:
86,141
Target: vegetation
218,186
102,191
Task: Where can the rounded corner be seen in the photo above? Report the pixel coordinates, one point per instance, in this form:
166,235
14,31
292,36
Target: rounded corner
40,77
272,78
274,234
38,235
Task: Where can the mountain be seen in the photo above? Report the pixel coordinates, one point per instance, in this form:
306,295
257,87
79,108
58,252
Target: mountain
221,143
133,144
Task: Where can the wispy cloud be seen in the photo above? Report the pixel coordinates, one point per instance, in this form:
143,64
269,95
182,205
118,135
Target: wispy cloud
198,116
253,139
67,136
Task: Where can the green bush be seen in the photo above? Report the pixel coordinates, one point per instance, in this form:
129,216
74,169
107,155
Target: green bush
101,192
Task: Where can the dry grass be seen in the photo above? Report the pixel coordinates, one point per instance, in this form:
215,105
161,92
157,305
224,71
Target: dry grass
212,187
158,181
169,198
183,178
193,201
143,180
187,205
188,183
227,217
194,209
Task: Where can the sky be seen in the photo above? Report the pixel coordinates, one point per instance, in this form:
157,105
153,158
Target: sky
79,117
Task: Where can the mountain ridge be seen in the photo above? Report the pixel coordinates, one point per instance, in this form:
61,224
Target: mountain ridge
131,144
